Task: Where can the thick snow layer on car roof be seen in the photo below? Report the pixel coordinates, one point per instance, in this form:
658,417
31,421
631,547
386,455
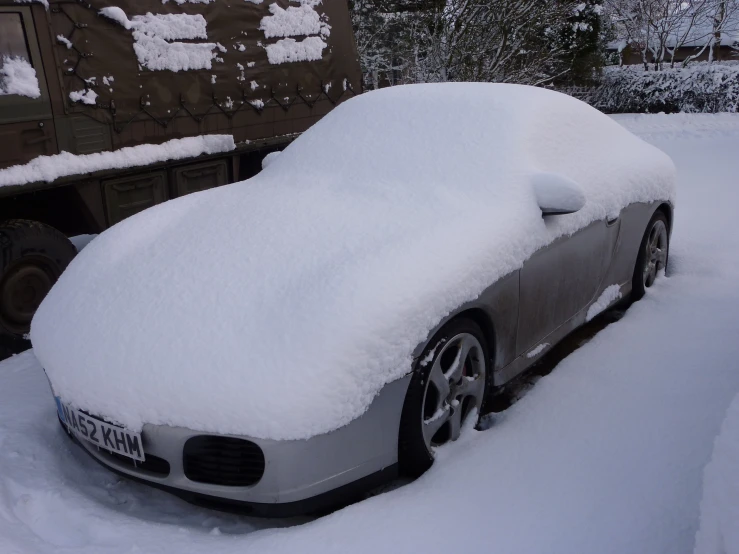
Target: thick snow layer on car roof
278,307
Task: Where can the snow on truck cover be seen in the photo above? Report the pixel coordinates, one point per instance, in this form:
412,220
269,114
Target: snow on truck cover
280,306
144,71
51,168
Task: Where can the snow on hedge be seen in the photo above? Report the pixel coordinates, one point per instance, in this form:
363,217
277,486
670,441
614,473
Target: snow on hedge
719,520
279,307
700,87
50,168
17,76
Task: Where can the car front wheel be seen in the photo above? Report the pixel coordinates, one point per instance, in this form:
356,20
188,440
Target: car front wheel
447,388
653,252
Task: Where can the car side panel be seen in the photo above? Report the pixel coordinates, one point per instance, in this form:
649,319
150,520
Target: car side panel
633,223
499,305
560,279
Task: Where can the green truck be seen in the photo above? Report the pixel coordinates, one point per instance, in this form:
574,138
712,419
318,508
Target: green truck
106,110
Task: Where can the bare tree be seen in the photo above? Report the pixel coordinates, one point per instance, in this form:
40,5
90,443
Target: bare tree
659,29
384,32
494,40
725,23
704,27
690,25
521,41
634,22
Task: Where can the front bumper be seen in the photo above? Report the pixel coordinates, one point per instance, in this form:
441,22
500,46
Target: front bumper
300,476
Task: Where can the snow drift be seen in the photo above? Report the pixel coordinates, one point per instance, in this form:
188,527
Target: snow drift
719,522
278,307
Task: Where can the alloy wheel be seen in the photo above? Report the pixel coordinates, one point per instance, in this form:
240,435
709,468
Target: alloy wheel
656,253
455,385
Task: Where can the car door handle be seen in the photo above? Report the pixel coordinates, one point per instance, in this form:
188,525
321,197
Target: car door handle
611,220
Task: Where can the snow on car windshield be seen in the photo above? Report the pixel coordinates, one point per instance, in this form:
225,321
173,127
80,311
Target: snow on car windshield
280,306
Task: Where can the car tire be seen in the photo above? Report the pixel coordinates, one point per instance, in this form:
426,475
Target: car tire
434,412
653,255
33,257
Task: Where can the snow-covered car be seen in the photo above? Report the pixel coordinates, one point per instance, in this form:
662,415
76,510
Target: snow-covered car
287,340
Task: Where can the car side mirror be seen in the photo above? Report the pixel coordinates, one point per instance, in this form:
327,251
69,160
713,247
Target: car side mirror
557,194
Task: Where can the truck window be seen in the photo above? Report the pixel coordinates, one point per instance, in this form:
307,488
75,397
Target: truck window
12,38
17,75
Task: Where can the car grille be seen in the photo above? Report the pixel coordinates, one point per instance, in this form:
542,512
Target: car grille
152,464
223,461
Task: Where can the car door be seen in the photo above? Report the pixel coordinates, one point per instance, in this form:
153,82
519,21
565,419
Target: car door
561,279
26,124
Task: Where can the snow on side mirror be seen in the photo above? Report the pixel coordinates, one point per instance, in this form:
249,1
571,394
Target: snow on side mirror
557,194
269,158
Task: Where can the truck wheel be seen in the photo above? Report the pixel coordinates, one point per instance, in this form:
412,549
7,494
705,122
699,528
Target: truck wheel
33,257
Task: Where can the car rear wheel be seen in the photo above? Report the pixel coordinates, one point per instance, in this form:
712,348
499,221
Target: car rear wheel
33,257
653,253
448,386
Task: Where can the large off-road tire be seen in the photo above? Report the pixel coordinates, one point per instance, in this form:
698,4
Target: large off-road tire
653,254
449,383
33,257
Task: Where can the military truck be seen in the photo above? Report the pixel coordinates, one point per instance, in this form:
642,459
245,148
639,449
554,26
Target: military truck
84,84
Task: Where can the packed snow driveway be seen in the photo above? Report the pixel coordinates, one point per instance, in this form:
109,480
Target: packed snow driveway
606,454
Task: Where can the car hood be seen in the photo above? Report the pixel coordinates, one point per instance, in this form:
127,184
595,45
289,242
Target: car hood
278,307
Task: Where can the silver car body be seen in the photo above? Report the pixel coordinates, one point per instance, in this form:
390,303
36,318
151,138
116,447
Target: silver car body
524,314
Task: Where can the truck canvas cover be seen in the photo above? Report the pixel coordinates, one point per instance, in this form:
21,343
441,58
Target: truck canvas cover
134,71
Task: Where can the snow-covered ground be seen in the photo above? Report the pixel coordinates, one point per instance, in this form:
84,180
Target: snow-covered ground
606,454
719,528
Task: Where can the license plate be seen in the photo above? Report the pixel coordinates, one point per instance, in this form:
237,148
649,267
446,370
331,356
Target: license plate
103,435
